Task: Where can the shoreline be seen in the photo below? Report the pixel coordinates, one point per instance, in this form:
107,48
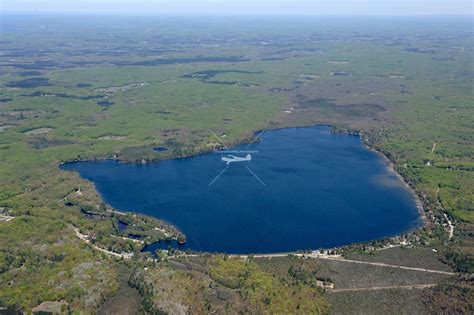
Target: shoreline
391,166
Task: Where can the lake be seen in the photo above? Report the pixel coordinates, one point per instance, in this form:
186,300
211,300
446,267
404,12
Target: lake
305,188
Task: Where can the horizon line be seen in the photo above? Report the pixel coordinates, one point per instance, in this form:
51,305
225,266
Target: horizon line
227,14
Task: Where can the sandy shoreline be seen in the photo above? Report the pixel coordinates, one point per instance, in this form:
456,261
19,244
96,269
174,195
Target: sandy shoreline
392,169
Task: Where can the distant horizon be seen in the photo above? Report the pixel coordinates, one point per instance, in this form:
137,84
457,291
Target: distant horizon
225,14
242,7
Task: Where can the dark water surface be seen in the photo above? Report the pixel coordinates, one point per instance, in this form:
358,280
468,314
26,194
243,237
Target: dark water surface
321,190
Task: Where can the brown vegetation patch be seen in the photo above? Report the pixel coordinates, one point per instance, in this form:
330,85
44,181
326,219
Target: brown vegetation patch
455,297
51,307
42,142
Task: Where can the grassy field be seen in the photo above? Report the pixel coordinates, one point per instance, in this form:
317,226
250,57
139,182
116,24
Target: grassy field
94,88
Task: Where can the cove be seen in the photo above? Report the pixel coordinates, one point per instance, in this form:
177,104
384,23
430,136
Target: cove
310,189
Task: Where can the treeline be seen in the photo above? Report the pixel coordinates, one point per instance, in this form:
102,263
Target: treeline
461,262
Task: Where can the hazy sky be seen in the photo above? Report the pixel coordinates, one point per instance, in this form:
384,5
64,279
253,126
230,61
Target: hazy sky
358,7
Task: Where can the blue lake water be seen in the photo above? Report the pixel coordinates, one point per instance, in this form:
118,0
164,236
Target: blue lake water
312,189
